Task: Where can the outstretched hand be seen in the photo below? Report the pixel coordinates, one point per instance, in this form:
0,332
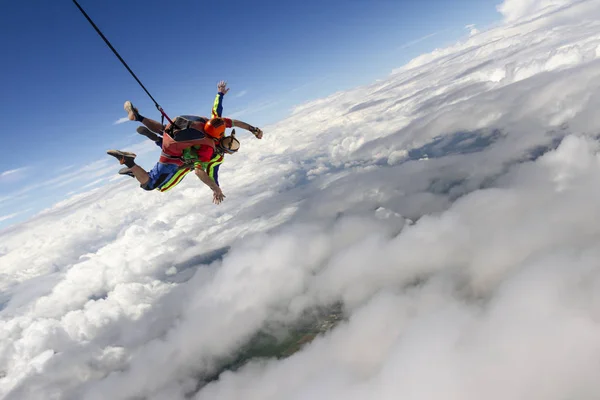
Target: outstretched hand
222,87
258,133
218,196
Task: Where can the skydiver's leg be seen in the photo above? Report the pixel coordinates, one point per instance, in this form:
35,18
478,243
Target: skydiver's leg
128,159
153,125
142,130
134,115
140,174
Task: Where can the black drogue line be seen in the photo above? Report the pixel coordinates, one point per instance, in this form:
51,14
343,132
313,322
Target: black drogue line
159,108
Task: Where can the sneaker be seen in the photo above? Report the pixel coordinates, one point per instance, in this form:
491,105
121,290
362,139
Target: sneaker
132,112
126,171
142,130
122,156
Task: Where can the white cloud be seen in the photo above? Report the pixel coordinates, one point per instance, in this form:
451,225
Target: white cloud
472,29
87,175
9,172
514,10
82,173
419,40
12,173
240,94
490,293
7,217
121,121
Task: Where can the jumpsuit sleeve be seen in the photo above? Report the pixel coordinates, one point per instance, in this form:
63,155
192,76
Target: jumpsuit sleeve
217,109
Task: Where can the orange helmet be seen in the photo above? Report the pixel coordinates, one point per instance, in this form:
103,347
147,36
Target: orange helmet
215,128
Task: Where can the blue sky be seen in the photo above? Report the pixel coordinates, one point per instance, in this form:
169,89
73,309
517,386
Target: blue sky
63,89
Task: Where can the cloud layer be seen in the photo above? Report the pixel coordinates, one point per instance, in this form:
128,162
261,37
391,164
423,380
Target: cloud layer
450,209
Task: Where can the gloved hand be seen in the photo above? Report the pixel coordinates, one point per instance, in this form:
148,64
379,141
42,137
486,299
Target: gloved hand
222,87
258,133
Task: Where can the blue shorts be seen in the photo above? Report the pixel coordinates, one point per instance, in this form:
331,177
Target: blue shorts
159,175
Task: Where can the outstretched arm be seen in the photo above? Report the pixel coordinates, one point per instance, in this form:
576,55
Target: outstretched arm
218,195
217,111
222,89
241,124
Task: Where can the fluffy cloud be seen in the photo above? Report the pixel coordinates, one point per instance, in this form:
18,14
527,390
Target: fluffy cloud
450,209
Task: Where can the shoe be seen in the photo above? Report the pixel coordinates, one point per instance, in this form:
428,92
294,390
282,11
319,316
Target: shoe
132,112
126,171
122,156
142,130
